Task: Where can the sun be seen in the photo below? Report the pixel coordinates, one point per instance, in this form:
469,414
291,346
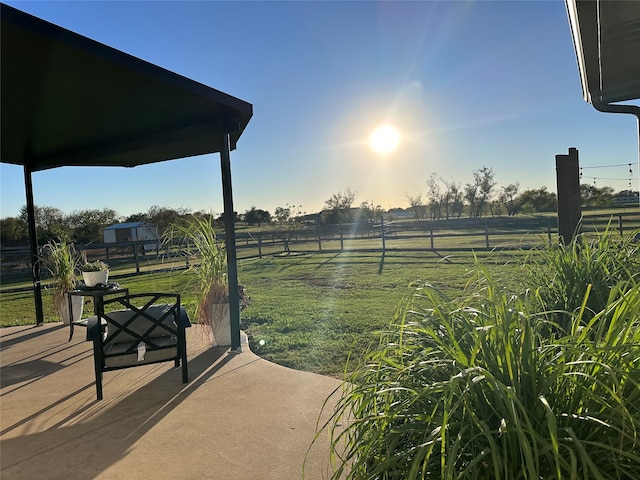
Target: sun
384,139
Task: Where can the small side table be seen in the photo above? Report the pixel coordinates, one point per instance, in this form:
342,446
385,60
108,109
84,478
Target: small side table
98,295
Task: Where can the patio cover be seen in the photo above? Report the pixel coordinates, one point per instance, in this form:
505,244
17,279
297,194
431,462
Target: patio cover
606,37
68,100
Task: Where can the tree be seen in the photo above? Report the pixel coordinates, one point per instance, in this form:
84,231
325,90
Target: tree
486,182
283,214
338,207
14,231
50,222
509,198
88,224
496,208
479,192
470,194
136,217
282,227
365,213
433,194
593,196
164,217
257,216
417,206
538,200
455,194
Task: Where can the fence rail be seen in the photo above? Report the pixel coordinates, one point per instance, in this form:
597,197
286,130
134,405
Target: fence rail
463,234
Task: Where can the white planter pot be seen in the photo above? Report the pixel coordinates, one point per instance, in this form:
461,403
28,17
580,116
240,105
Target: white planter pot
220,325
91,279
77,304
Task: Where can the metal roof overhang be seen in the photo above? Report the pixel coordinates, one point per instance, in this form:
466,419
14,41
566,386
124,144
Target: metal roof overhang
67,100
606,37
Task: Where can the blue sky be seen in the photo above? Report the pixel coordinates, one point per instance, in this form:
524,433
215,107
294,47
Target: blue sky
467,84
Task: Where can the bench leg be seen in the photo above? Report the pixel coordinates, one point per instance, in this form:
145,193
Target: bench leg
97,365
182,343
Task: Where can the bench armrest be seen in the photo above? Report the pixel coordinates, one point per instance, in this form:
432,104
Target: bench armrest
183,319
94,329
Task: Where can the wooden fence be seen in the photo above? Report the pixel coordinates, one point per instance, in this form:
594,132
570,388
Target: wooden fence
459,234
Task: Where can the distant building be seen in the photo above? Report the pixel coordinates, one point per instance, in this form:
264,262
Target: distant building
132,232
626,201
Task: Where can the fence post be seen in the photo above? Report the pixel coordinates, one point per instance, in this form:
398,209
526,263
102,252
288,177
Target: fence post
260,245
568,188
135,256
384,243
341,239
620,225
486,234
431,235
319,239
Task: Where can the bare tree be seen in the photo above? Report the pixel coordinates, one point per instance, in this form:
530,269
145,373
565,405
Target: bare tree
509,198
338,206
479,192
417,205
435,200
455,199
282,226
470,195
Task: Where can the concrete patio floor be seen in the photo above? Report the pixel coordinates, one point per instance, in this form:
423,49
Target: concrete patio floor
239,417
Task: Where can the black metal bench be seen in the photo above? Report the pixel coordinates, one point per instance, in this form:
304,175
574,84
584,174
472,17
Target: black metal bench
138,330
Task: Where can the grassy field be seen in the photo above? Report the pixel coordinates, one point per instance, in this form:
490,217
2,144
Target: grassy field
309,311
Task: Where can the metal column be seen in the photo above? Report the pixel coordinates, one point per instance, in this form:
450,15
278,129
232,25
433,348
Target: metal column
230,244
33,244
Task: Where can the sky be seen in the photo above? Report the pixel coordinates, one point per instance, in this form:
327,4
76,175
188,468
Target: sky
467,84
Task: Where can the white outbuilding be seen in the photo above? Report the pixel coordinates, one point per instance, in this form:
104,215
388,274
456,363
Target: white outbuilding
132,232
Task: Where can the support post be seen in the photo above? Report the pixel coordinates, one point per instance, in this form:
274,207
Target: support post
230,244
620,227
33,244
135,256
568,186
486,234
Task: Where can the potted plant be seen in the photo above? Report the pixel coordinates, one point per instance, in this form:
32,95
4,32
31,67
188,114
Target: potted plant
211,276
61,260
94,273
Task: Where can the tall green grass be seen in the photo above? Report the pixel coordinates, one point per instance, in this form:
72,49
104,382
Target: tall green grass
562,275
486,386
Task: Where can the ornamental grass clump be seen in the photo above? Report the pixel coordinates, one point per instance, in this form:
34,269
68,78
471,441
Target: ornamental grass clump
560,275
61,260
210,267
476,388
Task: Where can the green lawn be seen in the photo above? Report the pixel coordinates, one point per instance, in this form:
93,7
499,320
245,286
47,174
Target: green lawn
309,311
